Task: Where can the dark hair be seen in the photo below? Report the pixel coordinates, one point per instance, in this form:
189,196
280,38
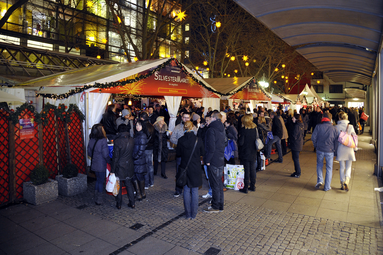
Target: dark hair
142,123
144,116
97,132
123,128
298,117
150,107
110,108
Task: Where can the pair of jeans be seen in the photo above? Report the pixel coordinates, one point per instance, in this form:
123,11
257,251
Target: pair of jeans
345,170
329,156
149,177
190,201
250,173
277,142
100,181
297,166
129,189
207,176
178,163
215,180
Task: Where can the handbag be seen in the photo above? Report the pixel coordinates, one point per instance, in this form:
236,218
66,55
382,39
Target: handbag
364,116
347,139
258,142
181,178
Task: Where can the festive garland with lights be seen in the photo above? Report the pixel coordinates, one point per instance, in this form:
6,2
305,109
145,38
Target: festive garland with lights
42,118
14,115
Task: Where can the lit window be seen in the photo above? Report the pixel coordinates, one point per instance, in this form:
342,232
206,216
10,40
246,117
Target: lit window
186,40
187,53
186,27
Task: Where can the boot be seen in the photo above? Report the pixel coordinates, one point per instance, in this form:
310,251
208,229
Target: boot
97,197
137,189
142,189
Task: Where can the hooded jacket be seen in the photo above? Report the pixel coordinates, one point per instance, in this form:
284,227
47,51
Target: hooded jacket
140,141
325,137
160,148
296,138
100,155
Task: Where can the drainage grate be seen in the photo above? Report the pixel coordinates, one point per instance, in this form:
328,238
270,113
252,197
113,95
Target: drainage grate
82,207
136,226
212,251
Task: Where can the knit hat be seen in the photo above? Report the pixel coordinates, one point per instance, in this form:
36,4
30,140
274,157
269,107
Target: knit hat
196,117
125,112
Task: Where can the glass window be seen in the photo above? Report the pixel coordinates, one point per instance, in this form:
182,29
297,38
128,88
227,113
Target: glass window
336,88
318,88
186,27
186,40
9,39
40,45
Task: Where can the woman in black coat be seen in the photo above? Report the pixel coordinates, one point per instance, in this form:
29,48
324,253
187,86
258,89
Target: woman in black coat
99,151
122,163
140,141
193,172
296,143
248,151
160,148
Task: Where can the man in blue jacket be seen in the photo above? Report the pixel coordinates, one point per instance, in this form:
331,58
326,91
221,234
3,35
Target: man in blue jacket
214,159
325,140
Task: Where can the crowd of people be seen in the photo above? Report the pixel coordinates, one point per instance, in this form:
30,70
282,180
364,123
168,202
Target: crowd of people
203,140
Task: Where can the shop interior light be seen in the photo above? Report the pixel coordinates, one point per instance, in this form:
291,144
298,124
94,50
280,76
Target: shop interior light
264,84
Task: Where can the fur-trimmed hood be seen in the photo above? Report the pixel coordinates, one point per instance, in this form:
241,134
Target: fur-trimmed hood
159,129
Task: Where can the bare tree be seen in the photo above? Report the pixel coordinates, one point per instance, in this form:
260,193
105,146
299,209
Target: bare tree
11,9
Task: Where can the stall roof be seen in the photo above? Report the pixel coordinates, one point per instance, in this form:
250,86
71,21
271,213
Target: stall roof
228,85
66,82
307,92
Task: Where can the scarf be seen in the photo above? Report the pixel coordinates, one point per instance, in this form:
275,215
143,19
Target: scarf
325,119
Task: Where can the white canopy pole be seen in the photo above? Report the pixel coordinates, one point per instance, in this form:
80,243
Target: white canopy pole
173,103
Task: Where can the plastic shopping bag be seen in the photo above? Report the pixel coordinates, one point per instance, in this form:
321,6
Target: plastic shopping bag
239,183
230,174
116,188
111,182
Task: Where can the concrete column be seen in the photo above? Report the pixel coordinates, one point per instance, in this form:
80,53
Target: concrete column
379,115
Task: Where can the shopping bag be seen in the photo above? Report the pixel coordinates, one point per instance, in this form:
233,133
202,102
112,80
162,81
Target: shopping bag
347,139
263,161
116,188
230,175
364,116
239,183
111,182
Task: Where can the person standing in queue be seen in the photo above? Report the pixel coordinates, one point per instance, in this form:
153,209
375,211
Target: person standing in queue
194,174
99,152
122,163
160,148
296,142
248,151
214,159
140,141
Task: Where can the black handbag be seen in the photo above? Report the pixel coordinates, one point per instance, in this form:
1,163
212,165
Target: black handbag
181,178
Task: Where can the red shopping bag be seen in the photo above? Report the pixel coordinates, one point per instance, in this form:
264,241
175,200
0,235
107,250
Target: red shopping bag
364,116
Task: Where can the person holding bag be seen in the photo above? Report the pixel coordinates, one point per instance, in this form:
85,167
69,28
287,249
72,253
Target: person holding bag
345,155
248,151
99,152
140,141
122,163
190,149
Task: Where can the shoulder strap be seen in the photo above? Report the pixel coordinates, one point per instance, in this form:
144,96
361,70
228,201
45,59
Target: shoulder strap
91,161
191,155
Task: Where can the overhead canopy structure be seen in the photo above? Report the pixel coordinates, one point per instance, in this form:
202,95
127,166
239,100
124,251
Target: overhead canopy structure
164,77
11,99
341,38
244,88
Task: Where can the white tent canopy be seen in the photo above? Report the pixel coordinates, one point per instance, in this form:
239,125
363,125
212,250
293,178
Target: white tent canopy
12,96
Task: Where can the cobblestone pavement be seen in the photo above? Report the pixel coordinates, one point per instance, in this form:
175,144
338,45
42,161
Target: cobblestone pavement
283,216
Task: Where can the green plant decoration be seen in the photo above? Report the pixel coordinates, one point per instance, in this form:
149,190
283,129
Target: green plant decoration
39,175
70,171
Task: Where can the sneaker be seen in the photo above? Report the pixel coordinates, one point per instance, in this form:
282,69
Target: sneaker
318,185
327,189
345,186
177,194
207,196
295,175
211,210
341,186
146,187
151,185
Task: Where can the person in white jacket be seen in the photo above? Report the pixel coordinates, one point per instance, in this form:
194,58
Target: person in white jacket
345,155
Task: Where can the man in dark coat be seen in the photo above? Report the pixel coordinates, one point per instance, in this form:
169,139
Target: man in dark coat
149,177
122,163
214,159
152,115
277,131
109,122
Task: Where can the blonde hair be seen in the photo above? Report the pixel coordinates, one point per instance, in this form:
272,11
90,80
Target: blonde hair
261,119
247,121
188,126
343,116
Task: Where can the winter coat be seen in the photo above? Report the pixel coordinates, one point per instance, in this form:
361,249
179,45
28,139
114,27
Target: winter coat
101,154
109,123
140,141
178,132
160,148
325,137
289,125
232,134
150,135
184,149
345,153
277,128
246,143
263,128
122,161
296,138
285,134
306,120
215,144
